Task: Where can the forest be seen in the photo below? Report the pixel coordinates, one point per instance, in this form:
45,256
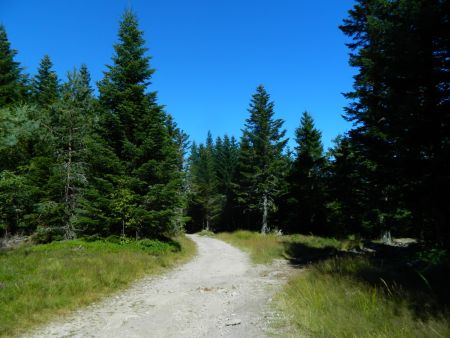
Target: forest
78,164
99,185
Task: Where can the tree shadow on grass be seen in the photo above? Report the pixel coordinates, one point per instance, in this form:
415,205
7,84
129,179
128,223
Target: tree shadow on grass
300,254
394,269
424,284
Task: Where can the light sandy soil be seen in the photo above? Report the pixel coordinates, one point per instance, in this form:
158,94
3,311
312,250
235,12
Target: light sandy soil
220,293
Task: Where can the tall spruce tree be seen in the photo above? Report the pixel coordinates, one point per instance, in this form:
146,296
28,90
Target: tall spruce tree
349,189
262,169
45,83
181,142
400,107
123,89
85,79
136,128
306,180
226,156
70,128
11,84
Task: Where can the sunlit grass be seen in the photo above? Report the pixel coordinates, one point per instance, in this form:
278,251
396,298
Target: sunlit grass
43,281
206,233
264,248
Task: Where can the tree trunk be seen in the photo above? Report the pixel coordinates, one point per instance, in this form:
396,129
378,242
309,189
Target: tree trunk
68,230
386,237
264,228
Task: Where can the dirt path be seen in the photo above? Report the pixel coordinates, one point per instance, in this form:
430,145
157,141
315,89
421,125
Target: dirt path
218,294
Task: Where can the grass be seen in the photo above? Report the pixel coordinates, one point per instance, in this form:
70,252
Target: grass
206,233
343,294
265,248
40,282
328,300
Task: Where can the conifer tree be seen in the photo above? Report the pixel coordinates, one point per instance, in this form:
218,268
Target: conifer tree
261,165
70,126
74,128
45,83
349,190
17,196
137,128
306,180
16,129
17,192
85,78
226,159
123,89
204,184
400,107
194,210
94,214
11,84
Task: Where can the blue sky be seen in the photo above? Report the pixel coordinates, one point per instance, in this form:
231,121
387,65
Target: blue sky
209,55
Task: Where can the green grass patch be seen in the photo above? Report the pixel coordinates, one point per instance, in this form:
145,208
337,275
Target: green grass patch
263,248
330,299
206,233
344,292
40,282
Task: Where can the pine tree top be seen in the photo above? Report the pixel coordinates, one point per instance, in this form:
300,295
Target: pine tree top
9,71
308,138
86,77
131,66
261,128
45,84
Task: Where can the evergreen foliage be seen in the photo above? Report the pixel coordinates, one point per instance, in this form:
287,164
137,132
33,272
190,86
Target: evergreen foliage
123,89
240,185
226,161
11,80
45,83
75,164
400,109
139,131
261,164
306,180
70,129
206,200
348,209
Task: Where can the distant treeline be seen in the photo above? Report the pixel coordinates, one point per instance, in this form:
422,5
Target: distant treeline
73,163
